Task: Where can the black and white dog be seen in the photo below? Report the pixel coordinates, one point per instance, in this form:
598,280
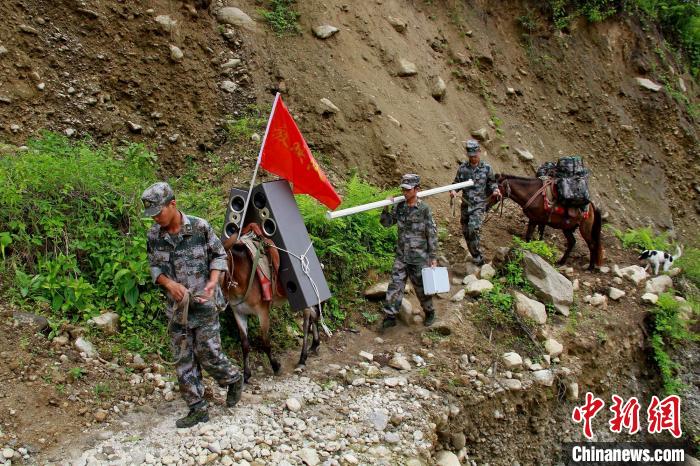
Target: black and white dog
657,258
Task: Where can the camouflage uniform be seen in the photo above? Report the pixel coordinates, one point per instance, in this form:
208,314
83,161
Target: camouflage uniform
187,258
416,248
474,202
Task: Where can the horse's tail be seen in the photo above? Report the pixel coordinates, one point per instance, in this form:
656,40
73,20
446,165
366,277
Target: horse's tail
596,236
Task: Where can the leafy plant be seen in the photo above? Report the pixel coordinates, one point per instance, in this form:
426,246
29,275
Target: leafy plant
643,238
370,317
669,330
283,19
541,248
76,373
690,264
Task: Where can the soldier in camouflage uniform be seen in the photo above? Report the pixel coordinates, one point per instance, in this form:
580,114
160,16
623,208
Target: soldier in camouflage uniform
186,259
416,249
474,197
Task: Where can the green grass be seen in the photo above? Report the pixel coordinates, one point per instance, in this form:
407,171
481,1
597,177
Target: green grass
643,238
282,17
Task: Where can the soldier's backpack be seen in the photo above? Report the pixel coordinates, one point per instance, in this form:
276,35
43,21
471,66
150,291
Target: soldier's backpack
572,182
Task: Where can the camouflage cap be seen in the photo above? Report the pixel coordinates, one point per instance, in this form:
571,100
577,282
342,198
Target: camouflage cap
155,197
472,146
410,181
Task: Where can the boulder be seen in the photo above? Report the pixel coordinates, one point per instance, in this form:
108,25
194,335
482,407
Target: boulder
524,154
482,134
377,291
458,296
553,347
326,107
406,68
634,273
35,322
478,287
166,23
615,293
469,279
399,362
235,17
446,458
649,84
597,300
649,298
324,31
107,322
487,272
544,377
86,347
398,24
530,309
549,284
658,285
511,384
512,360
438,89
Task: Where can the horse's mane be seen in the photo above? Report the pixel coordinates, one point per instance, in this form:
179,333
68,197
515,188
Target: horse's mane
505,176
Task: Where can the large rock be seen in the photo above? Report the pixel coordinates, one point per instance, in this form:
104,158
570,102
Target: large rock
35,322
309,456
107,322
326,107
544,377
512,360
650,298
513,385
549,284
235,17
615,293
487,272
634,273
438,88
446,458
398,24
478,287
658,285
406,68
399,362
324,31
86,347
458,296
530,309
649,84
553,347
166,23
524,154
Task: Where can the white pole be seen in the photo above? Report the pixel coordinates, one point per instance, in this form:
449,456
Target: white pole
396,200
257,163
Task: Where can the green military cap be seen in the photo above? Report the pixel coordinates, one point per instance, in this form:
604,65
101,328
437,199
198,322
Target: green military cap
410,181
155,197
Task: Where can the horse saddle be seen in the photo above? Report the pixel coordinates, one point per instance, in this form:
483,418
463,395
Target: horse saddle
268,259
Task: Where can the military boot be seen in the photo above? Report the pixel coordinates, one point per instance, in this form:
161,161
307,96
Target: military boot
235,390
389,321
429,318
198,413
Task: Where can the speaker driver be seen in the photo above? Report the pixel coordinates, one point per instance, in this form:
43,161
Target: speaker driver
237,203
260,200
269,227
264,213
230,229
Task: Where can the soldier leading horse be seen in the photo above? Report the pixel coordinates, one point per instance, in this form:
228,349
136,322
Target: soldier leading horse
528,193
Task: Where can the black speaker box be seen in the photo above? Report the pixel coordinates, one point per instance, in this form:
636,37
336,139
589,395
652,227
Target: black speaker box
273,206
234,210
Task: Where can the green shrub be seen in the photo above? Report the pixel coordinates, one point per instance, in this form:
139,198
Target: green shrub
281,17
541,248
643,238
669,330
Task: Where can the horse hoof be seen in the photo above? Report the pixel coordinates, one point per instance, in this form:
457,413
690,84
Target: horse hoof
276,368
246,377
300,368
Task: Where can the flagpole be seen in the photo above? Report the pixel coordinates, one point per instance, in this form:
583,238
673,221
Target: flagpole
257,164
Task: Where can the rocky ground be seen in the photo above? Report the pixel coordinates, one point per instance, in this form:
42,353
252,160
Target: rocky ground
460,391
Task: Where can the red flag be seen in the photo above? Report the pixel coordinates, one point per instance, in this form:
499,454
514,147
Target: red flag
285,153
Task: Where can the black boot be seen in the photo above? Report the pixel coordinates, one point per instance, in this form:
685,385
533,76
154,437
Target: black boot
429,318
389,321
234,393
198,413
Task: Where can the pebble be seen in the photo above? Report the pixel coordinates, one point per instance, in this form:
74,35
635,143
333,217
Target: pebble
293,405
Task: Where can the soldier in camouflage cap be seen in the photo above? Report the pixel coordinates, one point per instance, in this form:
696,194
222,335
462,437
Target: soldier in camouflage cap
416,249
474,198
186,259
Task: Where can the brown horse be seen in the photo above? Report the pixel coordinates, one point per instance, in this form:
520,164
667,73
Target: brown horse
244,305
522,190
